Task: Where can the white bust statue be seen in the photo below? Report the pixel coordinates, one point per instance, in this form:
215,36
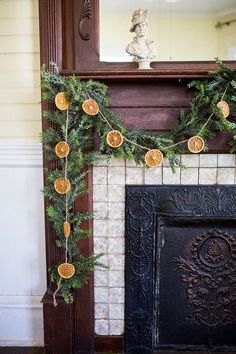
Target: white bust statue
142,49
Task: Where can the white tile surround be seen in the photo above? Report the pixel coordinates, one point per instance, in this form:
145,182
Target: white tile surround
109,180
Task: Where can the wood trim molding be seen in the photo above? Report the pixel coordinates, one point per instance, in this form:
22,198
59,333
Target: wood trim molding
161,70
50,23
22,350
20,301
50,50
21,153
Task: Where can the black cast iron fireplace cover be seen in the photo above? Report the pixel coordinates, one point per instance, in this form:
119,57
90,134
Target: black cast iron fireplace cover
180,271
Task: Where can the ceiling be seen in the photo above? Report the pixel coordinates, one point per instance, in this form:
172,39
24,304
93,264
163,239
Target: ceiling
204,8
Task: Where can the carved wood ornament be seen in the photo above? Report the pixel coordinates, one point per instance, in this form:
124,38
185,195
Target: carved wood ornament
86,14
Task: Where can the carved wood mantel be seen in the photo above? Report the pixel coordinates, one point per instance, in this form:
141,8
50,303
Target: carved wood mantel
69,36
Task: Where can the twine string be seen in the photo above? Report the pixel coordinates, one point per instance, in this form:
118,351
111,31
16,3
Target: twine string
136,144
56,291
204,125
106,120
223,95
66,196
176,144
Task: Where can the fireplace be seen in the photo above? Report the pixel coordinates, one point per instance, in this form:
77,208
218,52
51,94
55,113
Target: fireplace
180,261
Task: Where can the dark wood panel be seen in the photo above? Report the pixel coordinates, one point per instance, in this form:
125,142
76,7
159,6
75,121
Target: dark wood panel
109,344
151,94
58,326
148,118
220,143
67,35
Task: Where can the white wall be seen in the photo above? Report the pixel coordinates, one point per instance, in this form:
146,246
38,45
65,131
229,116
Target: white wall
19,70
22,251
227,38
180,38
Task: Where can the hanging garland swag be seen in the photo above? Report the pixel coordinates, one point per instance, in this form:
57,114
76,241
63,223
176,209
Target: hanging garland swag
82,108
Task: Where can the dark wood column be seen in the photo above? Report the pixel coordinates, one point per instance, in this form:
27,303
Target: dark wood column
50,50
59,331
84,304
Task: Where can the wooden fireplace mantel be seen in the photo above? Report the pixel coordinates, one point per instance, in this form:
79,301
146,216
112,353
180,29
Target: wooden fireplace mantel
69,36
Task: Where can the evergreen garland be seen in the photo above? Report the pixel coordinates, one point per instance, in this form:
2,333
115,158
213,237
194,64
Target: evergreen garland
77,128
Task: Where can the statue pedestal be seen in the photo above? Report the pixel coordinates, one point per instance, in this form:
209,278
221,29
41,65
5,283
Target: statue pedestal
144,64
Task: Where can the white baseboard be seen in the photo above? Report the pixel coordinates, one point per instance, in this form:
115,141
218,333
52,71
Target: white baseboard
21,316
21,321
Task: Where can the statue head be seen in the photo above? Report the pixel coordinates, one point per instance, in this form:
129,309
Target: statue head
139,17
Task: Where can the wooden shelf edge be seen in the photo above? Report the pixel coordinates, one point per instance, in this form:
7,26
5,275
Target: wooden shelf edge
161,70
48,299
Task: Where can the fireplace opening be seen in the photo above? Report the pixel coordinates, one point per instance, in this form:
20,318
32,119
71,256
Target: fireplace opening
180,280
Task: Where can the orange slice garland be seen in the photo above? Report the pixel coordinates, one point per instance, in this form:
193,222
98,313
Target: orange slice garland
61,101
66,229
62,149
153,158
114,138
196,144
90,107
62,185
66,270
224,108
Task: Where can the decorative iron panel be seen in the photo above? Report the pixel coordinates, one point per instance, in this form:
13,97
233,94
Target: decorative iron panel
140,249
180,264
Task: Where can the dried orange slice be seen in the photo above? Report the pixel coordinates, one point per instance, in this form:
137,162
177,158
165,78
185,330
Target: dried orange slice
62,149
114,138
66,270
224,108
196,144
153,158
90,107
62,185
66,229
61,101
